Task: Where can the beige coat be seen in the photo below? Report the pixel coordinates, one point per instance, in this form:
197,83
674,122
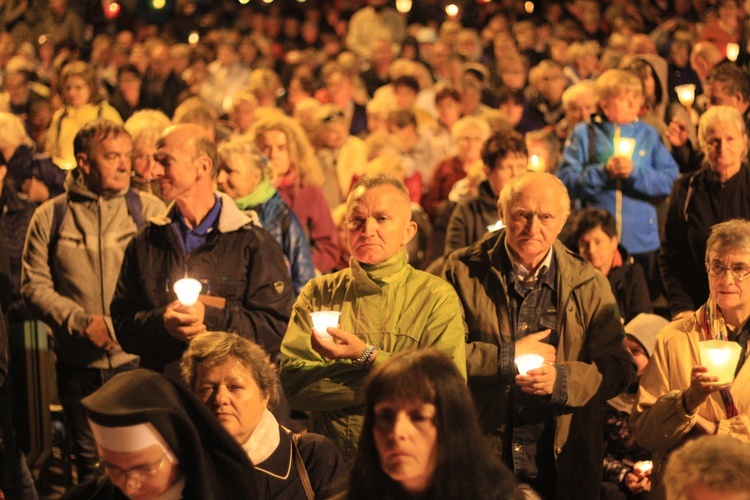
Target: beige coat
659,419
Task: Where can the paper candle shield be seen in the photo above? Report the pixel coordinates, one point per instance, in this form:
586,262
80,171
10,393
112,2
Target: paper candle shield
322,320
187,290
527,362
720,357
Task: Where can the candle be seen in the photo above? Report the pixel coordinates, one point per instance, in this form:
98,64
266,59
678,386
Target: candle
720,358
733,50
322,320
187,291
643,467
686,94
497,226
624,147
536,164
527,362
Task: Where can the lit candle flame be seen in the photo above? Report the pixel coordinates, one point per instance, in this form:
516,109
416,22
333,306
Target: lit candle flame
536,163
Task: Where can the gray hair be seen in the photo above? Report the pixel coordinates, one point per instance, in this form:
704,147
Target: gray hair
240,152
717,463
719,114
727,236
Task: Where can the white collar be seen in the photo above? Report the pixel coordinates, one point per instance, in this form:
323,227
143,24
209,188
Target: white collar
175,491
264,440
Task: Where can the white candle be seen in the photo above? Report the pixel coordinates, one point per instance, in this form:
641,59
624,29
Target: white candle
733,50
686,94
720,358
497,226
187,291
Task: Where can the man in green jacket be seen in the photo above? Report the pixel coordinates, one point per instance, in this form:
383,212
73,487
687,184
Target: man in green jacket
523,292
386,307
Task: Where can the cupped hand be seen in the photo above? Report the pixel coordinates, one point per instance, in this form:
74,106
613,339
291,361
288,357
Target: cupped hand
345,345
702,385
532,344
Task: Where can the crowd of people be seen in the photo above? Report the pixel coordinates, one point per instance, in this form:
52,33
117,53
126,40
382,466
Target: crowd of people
461,191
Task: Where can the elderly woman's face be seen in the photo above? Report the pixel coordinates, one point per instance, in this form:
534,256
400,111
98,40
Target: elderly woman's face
232,394
76,91
725,146
732,295
238,178
406,439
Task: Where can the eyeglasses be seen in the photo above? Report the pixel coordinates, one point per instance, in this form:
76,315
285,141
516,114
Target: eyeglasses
136,473
142,158
740,272
336,115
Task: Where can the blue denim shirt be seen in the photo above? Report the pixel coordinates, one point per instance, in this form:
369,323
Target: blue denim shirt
533,308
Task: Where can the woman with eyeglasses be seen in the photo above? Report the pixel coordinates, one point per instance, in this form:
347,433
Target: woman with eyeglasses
715,193
679,398
421,437
156,440
83,101
145,127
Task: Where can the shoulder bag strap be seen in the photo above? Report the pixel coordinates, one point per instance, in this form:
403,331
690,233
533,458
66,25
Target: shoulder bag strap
301,469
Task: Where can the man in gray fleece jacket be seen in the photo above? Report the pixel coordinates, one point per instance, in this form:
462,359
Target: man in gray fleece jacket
71,261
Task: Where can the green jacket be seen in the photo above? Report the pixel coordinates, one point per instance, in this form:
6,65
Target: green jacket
390,305
590,350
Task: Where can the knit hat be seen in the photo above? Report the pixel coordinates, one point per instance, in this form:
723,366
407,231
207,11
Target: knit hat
644,329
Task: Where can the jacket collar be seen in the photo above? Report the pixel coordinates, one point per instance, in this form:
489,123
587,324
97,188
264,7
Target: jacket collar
381,274
231,218
572,269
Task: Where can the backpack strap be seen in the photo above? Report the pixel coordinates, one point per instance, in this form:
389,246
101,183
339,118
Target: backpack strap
135,207
591,142
301,469
59,208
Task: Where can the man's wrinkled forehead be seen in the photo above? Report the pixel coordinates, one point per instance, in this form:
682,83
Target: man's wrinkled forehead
400,204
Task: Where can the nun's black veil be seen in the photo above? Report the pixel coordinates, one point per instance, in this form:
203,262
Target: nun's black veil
213,464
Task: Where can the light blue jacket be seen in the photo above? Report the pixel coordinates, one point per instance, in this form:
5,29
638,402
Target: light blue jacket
654,172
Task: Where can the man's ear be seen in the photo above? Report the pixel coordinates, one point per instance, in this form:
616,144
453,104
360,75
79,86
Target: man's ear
411,230
82,160
205,167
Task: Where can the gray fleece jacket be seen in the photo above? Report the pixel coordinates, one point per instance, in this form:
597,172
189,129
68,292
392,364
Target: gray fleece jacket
76,277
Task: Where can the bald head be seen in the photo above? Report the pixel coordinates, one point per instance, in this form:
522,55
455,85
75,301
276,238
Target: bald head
195,136
703,57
